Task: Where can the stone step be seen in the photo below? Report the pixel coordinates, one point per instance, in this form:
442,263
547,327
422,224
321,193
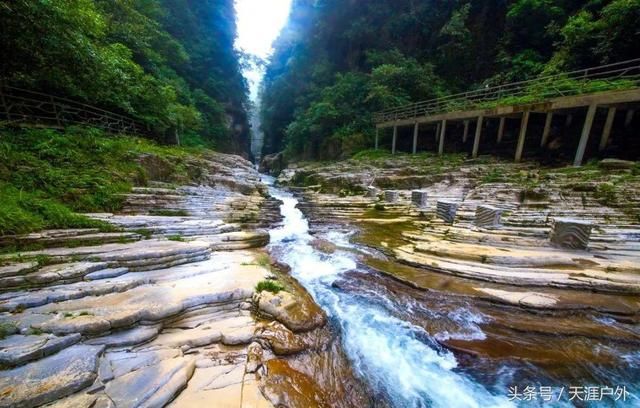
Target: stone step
131,337
63,272
50,378
153,386
79,237
17,301
20,349
153,190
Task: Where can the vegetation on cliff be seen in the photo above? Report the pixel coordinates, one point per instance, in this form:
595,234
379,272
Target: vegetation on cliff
171,64
47,176
337,62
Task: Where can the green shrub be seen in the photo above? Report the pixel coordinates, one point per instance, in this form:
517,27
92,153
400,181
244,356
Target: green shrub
370,154
7,329
493,176
269,285
22,212
606,193
34,331
47,176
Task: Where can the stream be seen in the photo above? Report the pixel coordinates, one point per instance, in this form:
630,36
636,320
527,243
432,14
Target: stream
398,338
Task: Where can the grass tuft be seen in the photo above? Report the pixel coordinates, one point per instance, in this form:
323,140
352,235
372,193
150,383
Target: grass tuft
177,238
7,329
270,286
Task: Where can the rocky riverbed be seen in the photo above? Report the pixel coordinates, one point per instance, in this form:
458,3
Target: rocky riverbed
501,305
373,298
163,309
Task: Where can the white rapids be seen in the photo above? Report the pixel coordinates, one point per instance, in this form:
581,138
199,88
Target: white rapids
389,353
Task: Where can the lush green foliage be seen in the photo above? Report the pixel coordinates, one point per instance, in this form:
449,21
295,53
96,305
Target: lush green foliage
46,176
269,285
170,63
337,62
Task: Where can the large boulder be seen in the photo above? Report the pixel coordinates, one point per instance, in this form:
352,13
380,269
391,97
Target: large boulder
273,163
297,313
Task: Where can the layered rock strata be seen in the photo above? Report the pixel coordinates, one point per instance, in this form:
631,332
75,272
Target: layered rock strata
163,312
512,244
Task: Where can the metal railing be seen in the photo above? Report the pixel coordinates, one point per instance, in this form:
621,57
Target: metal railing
23,107
620,75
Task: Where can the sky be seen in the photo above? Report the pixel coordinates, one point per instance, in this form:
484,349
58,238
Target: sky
259,22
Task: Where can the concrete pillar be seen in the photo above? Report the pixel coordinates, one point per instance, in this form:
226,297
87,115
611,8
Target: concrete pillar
446,210
521,136
377,138
547,129
443,129
419,198
466,131
391,196
415,137
606,131
393,141
628,118
584,138
488,216
476,141
500,130
568,121
438,132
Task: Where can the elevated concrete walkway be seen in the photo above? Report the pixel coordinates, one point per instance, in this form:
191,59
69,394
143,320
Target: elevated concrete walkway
615,87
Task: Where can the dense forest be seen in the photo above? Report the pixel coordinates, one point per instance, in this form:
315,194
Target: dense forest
170,63
338,61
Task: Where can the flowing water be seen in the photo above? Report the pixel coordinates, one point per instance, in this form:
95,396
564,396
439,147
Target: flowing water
405,342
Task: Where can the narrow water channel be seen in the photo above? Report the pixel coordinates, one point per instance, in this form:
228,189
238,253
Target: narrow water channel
395,335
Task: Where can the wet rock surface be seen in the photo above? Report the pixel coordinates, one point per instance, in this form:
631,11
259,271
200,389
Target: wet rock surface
499,295
598,252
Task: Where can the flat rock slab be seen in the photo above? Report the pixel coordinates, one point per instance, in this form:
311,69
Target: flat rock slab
219,280
114,253
611,163
17,269
532,299
227,385
153,386
125,361
53,273
15,301
51,378
131,337
512,257
19,349
233,330
106,273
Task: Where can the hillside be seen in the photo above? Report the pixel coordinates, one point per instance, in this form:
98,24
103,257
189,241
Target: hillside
338,62
171,64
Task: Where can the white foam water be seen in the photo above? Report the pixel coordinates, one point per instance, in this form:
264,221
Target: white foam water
395,357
